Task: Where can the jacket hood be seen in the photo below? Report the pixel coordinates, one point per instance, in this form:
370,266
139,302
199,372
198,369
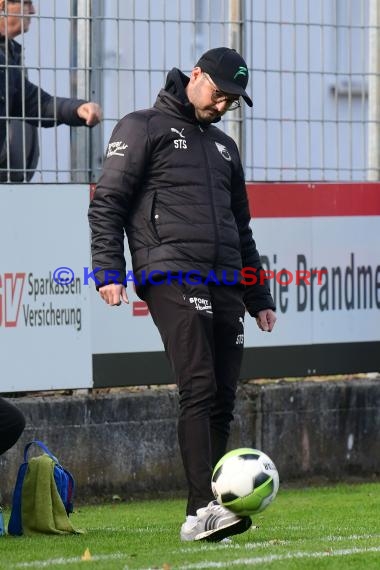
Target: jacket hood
172,99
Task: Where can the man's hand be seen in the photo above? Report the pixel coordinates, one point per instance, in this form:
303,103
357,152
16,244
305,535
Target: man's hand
266,319
91,113
113,294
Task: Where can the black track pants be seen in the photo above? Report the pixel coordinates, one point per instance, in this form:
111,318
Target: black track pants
12,424
202,329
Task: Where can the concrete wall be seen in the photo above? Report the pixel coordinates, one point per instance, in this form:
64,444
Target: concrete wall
125,442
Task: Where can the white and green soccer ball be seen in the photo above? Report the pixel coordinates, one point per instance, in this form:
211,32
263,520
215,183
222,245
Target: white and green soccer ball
245,481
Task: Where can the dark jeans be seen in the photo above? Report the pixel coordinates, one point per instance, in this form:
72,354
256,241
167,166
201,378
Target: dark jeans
202,330
12,424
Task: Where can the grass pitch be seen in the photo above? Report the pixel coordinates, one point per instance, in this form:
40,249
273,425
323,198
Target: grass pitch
313,528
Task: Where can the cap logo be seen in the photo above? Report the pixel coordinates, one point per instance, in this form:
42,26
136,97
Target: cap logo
241,71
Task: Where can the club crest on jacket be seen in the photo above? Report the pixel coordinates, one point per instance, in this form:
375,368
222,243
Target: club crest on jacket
223,151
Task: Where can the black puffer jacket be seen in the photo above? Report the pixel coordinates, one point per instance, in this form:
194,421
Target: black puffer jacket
177,188
23,97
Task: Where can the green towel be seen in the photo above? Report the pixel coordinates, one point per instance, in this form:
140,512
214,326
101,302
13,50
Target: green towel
42,509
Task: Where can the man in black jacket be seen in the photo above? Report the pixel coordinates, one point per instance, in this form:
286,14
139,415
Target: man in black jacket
21,98
174,182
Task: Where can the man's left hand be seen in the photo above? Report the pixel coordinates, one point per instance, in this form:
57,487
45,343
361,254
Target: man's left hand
266,319
91,113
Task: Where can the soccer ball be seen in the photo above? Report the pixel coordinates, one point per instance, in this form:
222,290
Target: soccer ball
245,481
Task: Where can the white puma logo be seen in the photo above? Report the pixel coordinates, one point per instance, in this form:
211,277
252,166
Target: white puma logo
178,133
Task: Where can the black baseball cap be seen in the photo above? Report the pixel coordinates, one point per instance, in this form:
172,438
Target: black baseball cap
228,71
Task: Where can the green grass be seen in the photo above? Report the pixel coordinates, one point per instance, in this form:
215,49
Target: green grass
313,528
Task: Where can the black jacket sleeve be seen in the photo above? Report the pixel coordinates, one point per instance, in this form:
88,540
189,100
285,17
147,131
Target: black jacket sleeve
52,110
20,98
121,179
256,296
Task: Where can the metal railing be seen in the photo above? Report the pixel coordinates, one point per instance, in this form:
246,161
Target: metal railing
314,78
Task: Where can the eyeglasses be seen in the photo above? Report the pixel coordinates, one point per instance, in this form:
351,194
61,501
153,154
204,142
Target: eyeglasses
220,97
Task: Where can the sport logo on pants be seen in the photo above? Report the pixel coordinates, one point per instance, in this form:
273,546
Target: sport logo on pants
201,304
240,336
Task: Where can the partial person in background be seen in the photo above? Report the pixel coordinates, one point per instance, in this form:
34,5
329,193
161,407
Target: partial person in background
12,424
19,148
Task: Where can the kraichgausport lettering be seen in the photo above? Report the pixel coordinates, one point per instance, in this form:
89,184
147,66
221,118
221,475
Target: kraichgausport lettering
349,286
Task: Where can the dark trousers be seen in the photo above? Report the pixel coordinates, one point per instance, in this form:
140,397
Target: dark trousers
12,424
202,329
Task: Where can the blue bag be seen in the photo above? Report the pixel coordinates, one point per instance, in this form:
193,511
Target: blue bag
63,479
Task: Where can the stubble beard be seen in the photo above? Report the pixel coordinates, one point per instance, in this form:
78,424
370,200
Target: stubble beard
207,115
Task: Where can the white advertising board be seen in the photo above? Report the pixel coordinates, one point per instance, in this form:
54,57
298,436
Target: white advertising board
44,327
51,333
345,305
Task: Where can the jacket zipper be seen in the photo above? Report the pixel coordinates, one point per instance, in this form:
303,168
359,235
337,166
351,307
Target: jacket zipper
216,233
155,216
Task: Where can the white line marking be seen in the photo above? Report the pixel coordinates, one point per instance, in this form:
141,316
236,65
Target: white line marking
126,529
277,557
64,561
204,565
278,542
